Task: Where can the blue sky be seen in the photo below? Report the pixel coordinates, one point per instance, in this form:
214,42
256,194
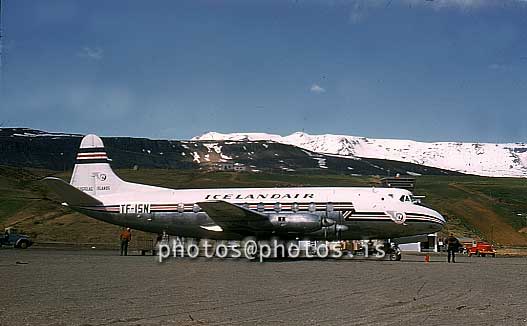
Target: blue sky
411,69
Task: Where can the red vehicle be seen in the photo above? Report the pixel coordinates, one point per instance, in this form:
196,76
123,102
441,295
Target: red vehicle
482,249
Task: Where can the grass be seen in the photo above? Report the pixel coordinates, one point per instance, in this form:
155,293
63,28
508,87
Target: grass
485,207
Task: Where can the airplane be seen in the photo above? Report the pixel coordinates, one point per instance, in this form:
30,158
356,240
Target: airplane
314,213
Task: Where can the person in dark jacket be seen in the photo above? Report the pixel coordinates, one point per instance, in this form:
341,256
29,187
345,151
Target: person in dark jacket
452,246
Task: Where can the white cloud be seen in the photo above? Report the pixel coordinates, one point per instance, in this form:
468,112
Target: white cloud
498,66
461,4
355,17
464,4
95,53
317,89
360,9
357,13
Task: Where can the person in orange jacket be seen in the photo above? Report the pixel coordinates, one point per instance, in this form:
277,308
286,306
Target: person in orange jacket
125,236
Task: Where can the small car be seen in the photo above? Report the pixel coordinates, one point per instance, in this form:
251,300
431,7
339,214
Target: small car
12,238
481,249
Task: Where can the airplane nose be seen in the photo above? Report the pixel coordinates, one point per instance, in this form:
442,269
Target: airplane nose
435,221
442,218
438,218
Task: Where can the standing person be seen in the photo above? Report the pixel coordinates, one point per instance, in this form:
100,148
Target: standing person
452,246
125,236
159,239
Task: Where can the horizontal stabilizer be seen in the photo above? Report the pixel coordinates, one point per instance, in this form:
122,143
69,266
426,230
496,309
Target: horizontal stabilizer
69,194
233,217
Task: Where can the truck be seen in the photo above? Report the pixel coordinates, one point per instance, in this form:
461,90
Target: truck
481,248
11,237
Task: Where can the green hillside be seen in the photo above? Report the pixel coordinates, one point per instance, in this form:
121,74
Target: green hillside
475,206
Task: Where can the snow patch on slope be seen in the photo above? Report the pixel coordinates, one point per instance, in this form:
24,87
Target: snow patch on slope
196,157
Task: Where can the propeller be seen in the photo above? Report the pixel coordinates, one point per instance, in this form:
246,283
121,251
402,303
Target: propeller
338,230
326,221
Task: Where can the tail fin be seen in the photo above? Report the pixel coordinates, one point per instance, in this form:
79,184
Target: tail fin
92,172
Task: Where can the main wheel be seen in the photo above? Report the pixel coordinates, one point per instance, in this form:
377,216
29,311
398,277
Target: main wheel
23,245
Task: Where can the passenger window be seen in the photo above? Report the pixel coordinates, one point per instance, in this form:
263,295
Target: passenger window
294,207
402,198
277,207
260,207
312,207
329,207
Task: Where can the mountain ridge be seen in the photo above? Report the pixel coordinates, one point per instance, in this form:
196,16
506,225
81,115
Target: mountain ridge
484,159
23,147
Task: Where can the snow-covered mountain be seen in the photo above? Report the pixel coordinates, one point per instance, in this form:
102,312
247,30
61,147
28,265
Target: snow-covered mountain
486,159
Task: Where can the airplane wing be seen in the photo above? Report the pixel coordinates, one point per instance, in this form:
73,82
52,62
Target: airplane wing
232,217
68,193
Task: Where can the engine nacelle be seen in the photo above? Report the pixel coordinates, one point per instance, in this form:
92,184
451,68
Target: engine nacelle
298,222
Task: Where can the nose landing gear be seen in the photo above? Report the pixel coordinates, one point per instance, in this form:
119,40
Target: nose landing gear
393,252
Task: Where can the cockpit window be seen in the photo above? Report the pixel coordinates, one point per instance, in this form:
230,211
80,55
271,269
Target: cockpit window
407,199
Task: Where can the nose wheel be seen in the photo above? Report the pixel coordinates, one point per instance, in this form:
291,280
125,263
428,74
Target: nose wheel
394,253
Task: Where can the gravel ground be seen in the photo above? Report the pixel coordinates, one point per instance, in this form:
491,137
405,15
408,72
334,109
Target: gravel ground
66,287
